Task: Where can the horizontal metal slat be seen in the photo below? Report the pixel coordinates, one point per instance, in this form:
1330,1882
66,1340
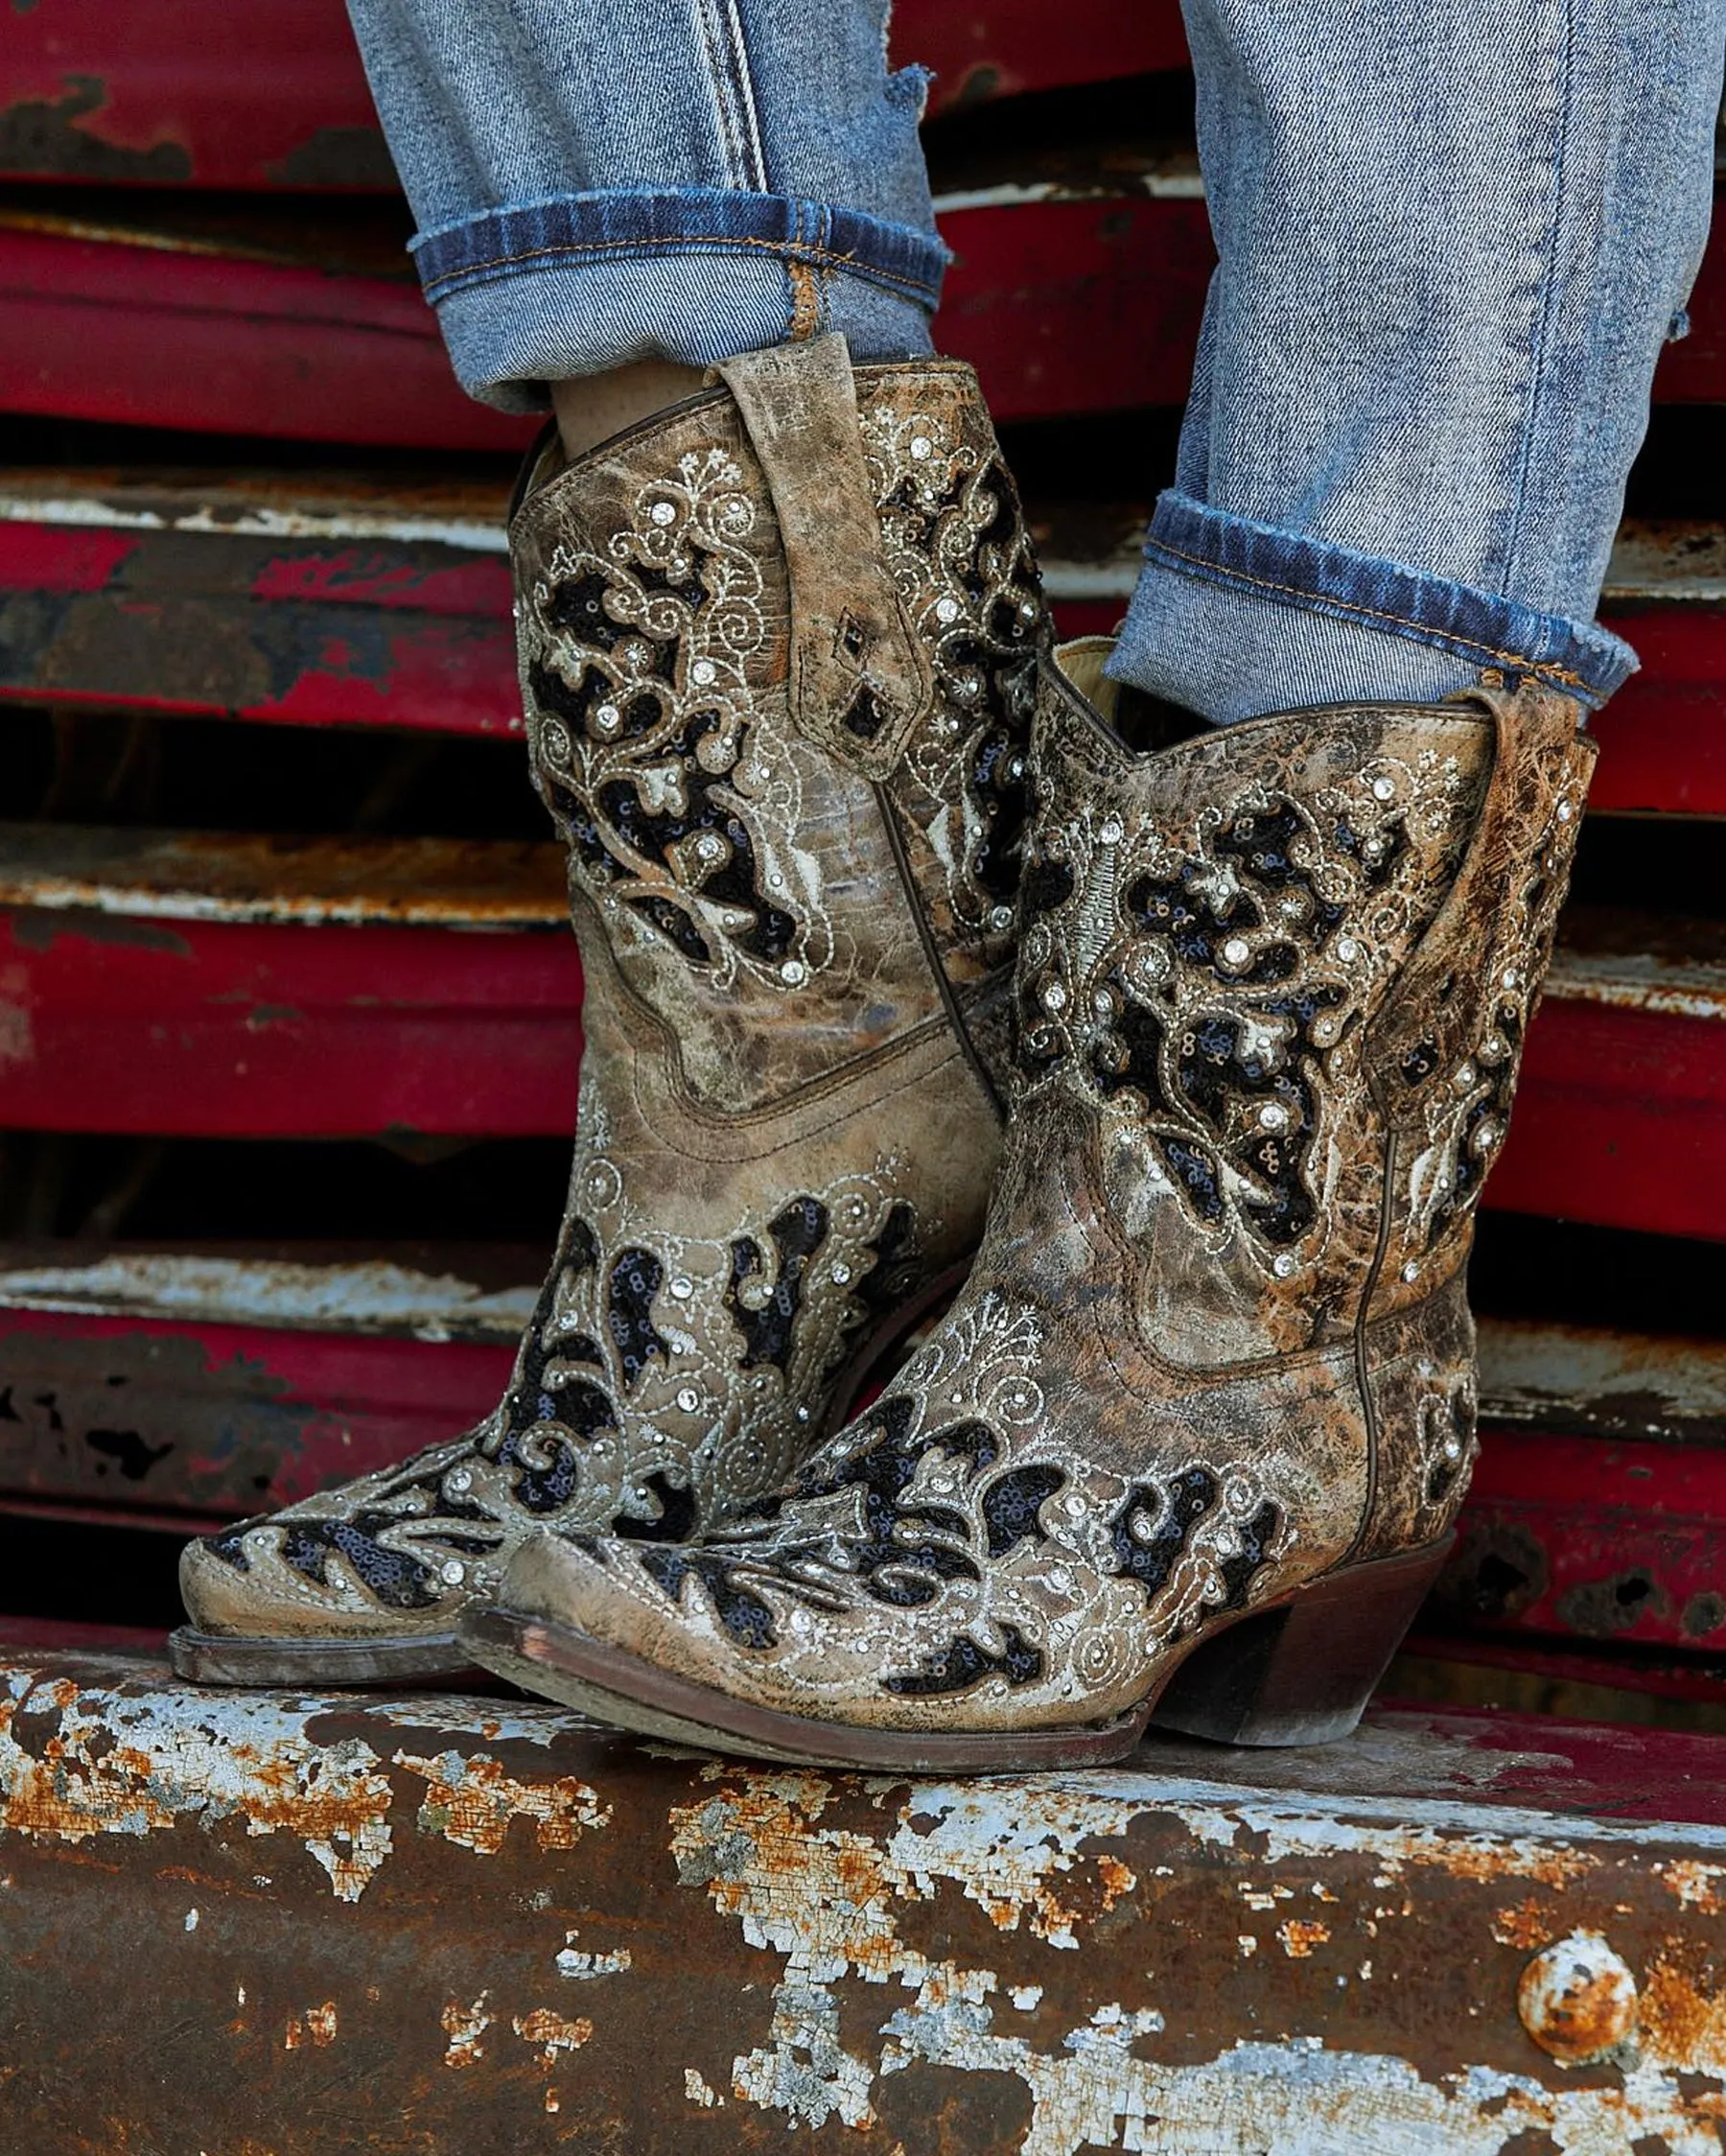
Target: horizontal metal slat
335,602
164,92
1064,304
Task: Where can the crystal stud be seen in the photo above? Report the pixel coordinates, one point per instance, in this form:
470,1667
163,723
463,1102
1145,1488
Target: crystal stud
1282,1265
662,512
1110,832
688,1398
683,1287
947,609
453,1573
792,972
1411,1271
1236,952
1383,790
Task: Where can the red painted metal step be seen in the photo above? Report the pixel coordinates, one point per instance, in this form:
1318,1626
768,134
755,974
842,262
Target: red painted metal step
175,985
184,1387
289,327
196,93
172,985
334,600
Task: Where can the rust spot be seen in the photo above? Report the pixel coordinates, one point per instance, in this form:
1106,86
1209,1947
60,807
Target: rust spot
1496,1573
316,2026
552,2032
336,157
43,138
465,2027
1683,2014
1526,1926
1599,1608
471,1801
1300,1934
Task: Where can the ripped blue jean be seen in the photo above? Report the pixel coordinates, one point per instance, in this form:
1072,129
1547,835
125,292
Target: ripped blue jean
1452,239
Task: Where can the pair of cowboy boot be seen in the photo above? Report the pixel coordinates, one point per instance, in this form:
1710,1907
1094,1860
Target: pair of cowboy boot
1190,1442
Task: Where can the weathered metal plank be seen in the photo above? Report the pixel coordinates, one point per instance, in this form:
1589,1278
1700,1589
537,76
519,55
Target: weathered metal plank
342,602
161,92
186,963
1579,1539
1064,304
187,1420
469,1927
225,1026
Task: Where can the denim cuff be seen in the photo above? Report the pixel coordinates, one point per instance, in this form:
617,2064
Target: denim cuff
1233,618
548,290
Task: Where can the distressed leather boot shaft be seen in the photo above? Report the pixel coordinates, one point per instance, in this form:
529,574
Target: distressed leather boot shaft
779,648
1193,1437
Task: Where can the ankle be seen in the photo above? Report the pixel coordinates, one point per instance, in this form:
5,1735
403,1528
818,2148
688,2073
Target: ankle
592,407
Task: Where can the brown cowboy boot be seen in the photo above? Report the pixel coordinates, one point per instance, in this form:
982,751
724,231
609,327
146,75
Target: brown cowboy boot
1189,1446
779,648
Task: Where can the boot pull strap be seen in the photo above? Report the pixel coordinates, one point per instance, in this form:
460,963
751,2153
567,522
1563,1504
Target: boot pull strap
1437,1010
859,677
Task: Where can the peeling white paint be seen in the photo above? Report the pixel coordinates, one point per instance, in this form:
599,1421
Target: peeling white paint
139,1764
575,1962
830,1902
465,2027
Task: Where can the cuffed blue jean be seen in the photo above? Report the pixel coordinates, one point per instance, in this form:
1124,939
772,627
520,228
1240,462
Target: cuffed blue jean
1451,237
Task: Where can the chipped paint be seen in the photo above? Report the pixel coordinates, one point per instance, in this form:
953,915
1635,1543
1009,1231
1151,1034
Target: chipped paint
1044,1964
581,1967
108,1764
316,2027
472,1802
371,1296
477,886
551,2032
465,2027
832,1903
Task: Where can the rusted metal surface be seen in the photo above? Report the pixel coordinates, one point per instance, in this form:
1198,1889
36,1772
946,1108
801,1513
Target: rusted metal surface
480,886
194,1385
188,1420
332,604
477,1926
1603,1384
161,92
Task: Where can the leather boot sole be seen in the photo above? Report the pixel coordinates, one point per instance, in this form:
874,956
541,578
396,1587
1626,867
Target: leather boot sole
1297,1672
233,1658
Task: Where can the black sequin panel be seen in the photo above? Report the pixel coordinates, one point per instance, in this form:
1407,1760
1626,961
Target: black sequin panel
620,696
766,1312
635,1281
963,1663
1155,1525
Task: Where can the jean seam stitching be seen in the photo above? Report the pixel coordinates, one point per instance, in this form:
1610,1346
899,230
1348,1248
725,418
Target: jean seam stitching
1549,280
822,258
1548,668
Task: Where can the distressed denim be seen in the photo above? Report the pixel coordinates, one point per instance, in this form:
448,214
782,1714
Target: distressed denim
677,178
1452,237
